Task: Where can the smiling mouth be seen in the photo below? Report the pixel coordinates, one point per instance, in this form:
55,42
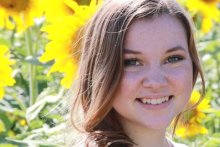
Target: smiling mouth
155,101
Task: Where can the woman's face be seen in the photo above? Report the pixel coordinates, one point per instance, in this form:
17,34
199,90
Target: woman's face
157,79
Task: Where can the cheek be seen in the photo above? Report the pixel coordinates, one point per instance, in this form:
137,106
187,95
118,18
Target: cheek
130,83
182,74
181,80
128,88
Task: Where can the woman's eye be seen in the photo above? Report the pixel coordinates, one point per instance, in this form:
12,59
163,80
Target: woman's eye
131,62
173,59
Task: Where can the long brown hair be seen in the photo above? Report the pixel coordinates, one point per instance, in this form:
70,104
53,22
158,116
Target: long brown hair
101,66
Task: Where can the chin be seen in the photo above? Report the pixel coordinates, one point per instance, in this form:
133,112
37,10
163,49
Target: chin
157,125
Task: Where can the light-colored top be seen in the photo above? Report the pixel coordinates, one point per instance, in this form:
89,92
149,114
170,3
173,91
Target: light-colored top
174,144
81,143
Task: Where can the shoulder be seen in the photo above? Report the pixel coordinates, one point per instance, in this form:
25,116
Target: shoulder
81,141
178,144
75,139
175,144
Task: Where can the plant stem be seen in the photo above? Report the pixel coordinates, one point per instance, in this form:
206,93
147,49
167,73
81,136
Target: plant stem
33,90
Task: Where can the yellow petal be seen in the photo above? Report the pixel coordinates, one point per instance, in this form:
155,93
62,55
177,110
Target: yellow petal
206,25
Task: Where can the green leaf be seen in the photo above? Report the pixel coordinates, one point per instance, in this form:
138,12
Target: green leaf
213,111
212,142
8,145
34,111
8,124
36,124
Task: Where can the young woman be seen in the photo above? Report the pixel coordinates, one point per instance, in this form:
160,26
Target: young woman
138,67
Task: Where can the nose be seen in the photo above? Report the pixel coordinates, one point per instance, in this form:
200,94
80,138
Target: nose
155,78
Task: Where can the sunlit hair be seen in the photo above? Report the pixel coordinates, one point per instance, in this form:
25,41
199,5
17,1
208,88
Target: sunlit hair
101,66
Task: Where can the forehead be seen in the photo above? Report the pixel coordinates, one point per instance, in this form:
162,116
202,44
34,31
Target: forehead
157,32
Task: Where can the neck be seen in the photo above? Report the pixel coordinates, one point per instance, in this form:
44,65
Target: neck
146,137
154,139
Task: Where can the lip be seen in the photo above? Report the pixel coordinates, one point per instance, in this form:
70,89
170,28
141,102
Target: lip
155,107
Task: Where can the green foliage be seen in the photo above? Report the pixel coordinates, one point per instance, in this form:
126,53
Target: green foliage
32,112
23,123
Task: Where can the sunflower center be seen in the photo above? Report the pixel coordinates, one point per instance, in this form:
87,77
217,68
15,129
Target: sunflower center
14,5
210,1
189,115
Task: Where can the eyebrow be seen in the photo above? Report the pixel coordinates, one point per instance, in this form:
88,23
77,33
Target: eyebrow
128,51
176,48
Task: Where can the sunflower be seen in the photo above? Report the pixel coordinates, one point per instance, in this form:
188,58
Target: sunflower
208,9
5,70
19,13
56,10
62,33
191,123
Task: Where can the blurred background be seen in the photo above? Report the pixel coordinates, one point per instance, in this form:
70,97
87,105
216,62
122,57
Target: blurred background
38,63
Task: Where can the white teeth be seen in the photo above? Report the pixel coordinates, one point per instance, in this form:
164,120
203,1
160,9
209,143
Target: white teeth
148,101
144,100
159,101
155,101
